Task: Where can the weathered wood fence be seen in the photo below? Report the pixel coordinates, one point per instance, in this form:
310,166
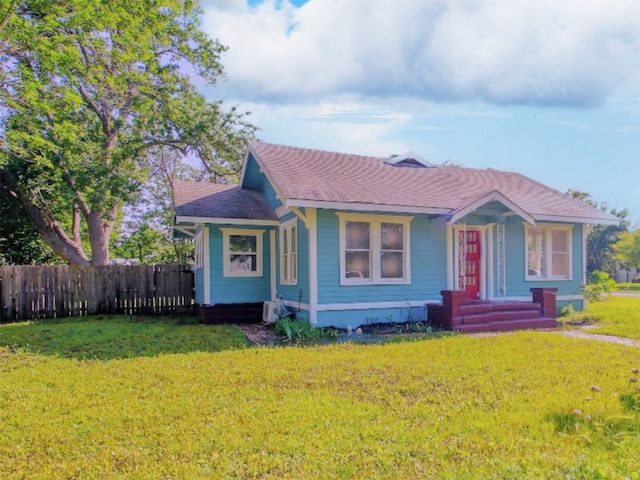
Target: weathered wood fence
43,291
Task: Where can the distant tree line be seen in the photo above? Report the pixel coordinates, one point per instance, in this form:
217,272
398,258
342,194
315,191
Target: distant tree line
610,246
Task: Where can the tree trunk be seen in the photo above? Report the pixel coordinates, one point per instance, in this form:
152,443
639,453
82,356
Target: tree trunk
45,224
99,233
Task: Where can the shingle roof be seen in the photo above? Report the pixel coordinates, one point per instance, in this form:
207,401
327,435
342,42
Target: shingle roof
301,174
203,199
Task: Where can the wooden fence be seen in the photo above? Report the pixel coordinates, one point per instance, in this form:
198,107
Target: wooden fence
44,291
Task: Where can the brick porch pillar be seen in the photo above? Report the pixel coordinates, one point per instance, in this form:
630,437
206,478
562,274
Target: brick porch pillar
546,297
451,301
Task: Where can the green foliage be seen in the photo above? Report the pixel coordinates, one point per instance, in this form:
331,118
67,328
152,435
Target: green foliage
20,243
146,232
599,287
567,310
618,316
628,249
94,87
627,287
592,423
455,407
291,329
119,336
601,238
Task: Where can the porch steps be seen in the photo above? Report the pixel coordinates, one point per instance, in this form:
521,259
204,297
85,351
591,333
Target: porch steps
506,325
478,316
496,314
481,316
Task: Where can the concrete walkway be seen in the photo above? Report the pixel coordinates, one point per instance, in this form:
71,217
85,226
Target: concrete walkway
601,338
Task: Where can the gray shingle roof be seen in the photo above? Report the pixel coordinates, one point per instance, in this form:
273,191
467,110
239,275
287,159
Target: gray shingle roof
214,200
301,174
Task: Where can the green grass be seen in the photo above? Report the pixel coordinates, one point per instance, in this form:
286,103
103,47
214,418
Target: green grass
627,287
119,336
456,407
619,316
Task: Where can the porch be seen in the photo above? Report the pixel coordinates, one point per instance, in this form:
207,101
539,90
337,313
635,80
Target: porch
459,312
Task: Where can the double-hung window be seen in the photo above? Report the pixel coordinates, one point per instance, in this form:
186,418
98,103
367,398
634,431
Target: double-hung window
242,250
548,252
374,249
289,253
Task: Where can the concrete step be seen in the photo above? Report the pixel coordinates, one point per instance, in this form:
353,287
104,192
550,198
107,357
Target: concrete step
500,316
485,307
508,325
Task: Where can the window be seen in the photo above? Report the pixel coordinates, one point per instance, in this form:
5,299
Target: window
242,251
548,252
199,257
374,249
289,253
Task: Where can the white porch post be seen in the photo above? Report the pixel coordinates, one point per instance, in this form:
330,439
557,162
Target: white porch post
450,262
272,263
312,227
490,265
206,284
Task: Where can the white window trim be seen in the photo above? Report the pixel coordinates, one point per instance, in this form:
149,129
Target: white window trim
288,226
375,221
199,254
226,252
548,228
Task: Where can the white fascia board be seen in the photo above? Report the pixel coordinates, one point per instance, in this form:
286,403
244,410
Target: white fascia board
367,207
281,211
589,221
492,197
226,221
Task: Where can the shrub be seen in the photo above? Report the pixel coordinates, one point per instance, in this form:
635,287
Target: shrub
600,284
301,330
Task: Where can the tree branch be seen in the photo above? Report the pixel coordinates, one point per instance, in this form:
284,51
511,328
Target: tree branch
7,15
45,223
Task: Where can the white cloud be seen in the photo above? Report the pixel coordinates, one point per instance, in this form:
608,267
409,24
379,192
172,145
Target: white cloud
524,52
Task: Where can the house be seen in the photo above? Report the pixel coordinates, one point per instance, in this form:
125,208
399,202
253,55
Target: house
349,240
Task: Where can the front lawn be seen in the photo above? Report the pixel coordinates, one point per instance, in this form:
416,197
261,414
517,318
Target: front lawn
627,287
521,405
119,336
619,316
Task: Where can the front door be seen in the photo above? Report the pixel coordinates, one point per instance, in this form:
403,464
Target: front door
470,268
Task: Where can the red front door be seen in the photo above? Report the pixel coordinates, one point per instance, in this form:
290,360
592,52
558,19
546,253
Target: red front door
472,263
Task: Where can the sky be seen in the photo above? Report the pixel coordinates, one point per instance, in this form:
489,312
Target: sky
549,89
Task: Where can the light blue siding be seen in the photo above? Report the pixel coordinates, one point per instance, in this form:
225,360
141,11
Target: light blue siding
237,289
254,179
428,265
357,318
199,290
298,293
517,285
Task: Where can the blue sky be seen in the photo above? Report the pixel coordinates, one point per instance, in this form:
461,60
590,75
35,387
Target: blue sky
548,89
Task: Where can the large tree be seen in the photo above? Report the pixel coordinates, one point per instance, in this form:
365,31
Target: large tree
87,89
